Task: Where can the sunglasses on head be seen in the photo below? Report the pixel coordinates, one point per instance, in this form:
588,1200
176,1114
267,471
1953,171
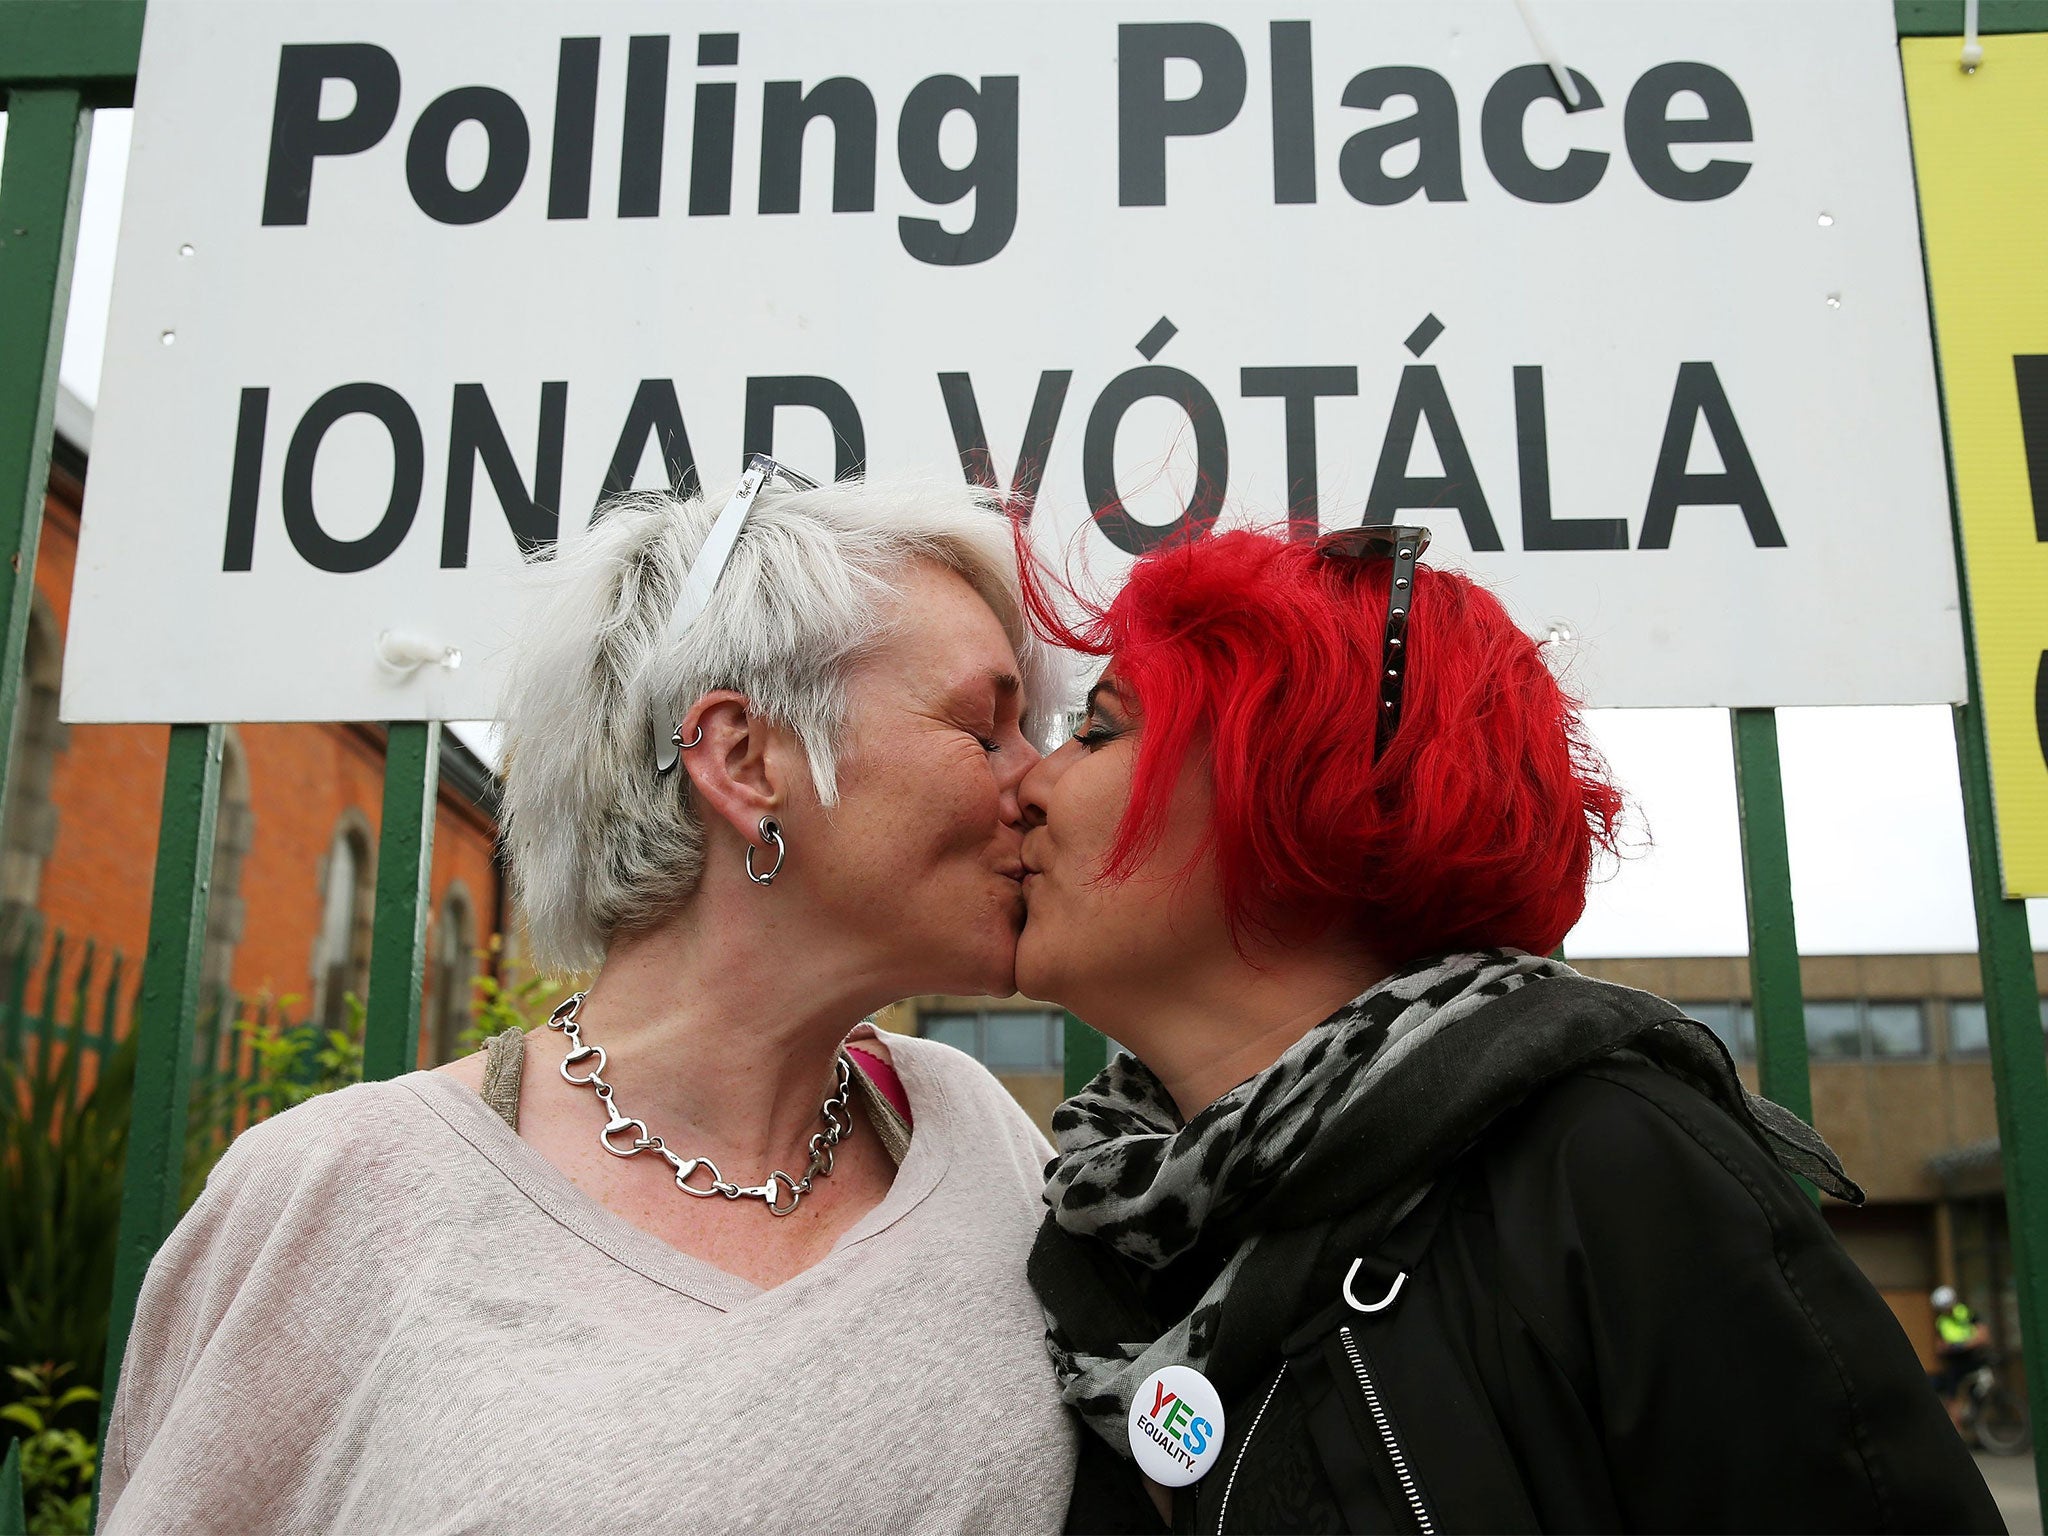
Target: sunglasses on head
701,580
1403,545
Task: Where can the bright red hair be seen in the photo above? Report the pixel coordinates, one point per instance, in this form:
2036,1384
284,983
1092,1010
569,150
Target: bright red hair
1477,828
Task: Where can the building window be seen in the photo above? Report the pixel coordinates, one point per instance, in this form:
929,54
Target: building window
1865,1031
1833,1032
234,831
454,966
341,952
1836,1030
1969,1029
1009,1042
1896,1029
1732,1023
28,826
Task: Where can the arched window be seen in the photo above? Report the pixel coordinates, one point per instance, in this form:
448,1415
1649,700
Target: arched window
28,828
448,997
341,950
234,830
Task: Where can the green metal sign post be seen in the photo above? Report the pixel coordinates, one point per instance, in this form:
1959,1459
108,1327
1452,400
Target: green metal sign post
1777,999
1087,1053
2019,1068
405,858
165,1016
2005,961
41,181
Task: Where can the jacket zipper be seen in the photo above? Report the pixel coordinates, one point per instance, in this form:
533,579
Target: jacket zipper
1244,1445
1385,1426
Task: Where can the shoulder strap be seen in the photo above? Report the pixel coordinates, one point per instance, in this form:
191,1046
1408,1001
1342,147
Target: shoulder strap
872,1079
504,1058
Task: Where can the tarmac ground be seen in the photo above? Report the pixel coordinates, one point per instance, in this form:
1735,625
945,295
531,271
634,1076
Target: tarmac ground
2012,1484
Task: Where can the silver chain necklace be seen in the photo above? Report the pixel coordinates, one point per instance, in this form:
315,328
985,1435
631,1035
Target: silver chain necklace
779,1192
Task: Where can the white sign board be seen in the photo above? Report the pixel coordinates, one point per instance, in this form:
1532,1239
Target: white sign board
402,287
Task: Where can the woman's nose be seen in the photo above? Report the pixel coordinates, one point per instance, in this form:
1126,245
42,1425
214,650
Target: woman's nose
1034,791
1017,765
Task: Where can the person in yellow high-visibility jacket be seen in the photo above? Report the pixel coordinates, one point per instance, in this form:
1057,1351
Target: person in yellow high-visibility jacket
1964,1347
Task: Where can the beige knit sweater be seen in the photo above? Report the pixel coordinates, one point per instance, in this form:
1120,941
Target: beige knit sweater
387,1313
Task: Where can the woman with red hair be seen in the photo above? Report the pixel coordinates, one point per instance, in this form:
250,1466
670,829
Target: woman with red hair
1452,1237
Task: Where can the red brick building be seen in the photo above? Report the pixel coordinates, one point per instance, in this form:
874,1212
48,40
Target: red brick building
295,856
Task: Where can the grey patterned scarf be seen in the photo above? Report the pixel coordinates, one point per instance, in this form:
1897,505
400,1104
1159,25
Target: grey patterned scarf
1357,1117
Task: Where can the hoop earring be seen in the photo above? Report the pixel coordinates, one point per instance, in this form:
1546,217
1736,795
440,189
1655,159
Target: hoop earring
771,829
695,741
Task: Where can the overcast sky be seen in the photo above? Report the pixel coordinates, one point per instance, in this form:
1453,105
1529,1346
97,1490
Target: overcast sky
1878,858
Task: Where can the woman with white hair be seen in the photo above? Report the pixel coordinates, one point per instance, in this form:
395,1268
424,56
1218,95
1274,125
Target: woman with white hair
701,1255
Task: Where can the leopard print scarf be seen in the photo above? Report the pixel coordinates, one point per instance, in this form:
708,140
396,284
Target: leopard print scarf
1131,1175
1154,1223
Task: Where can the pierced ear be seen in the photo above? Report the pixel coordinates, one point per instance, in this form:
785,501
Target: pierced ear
735,771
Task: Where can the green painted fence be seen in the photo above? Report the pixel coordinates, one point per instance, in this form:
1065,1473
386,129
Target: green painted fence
67,1028
59,59
55,1025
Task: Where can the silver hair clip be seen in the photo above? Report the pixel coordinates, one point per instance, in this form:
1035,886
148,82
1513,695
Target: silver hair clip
701,580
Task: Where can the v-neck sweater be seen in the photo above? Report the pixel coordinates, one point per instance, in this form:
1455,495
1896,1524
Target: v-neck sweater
386,1312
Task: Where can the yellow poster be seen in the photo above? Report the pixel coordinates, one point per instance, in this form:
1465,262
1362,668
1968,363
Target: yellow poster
1980,147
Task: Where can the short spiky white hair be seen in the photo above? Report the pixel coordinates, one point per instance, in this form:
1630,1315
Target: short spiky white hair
597,841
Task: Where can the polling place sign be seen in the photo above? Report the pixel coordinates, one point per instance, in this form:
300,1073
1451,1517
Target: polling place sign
1981,141
405,289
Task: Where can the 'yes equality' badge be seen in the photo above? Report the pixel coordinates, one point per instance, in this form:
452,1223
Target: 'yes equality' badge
1176,1426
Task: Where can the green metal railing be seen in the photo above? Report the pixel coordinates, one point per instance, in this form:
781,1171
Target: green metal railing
71,1023
67,1030
1774,986
59,59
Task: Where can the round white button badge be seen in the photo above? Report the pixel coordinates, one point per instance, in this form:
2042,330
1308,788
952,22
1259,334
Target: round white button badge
1176,1426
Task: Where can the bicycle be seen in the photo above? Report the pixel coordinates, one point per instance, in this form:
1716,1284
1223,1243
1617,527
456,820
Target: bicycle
1993,1414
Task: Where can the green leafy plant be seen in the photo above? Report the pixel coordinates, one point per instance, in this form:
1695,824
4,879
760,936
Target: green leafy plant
505,1000
57,1461
297,1062
61,1163
62,1160
63,1156
290,1063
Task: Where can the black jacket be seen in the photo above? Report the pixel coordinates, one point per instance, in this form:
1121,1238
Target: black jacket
1619,1313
